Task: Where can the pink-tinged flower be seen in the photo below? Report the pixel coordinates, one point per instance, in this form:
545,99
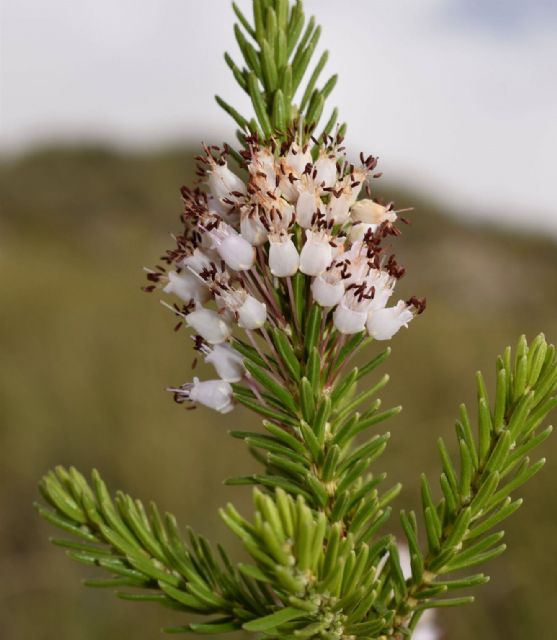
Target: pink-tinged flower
371,212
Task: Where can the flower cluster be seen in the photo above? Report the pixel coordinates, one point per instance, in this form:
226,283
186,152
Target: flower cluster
298,214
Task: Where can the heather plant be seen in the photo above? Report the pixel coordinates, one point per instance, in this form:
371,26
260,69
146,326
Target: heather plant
282,272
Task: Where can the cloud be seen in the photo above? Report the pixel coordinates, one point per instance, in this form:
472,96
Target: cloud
502,15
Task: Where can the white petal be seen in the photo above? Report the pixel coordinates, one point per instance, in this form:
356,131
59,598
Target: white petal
326,170
283,257
228,363
222,182
316,254
197,261
237,252
338,209
252,314
371,212
327,294
209,325
385,323
187,287
347,321
359,230
253,230
306,207
215,394
297,159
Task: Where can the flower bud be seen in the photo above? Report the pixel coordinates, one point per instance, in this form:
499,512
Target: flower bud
252,313
208,324
228,363
317,253
371,212
215,394
383,324
187,287
283,255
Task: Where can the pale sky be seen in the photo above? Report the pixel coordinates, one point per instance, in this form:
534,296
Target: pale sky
457,97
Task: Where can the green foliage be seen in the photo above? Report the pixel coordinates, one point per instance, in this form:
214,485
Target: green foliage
321,568
277,50
462,528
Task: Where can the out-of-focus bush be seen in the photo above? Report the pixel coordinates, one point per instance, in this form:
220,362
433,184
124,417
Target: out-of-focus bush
85,357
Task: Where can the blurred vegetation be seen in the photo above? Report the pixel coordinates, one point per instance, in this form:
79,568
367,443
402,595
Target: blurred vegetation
85,357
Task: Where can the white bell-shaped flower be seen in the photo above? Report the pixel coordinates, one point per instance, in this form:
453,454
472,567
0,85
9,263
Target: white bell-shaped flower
215,394
283,255
252,229
252,314
235,250
209,325
383,286
371,212
309,202
223,183
383,324
326,169
351,314
187,286
228,363
328,288
317,252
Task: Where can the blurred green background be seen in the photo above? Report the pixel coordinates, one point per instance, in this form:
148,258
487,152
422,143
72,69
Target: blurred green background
85,357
